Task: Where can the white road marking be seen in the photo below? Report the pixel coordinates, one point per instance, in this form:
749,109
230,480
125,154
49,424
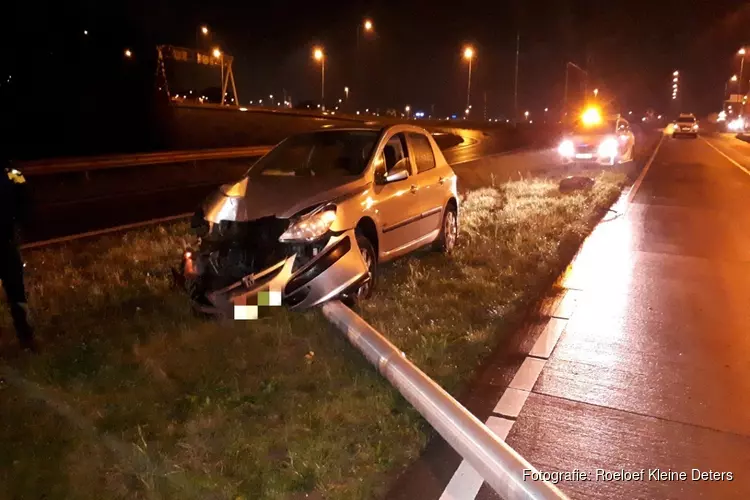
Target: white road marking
511,402
464,485
548,339
466,481
567,305
500,426
727,157
527,374
639,180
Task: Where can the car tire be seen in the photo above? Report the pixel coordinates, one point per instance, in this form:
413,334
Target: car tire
364,291
197,293
446,240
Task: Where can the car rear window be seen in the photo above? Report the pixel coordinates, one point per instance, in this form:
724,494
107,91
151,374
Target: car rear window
423,155
686,119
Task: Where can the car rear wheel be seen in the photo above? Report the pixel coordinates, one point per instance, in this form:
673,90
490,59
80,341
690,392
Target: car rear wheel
446,241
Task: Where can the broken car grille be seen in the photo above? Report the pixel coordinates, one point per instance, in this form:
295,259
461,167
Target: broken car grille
240,248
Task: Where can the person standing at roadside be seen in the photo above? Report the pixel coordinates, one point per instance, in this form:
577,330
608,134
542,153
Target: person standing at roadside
14,205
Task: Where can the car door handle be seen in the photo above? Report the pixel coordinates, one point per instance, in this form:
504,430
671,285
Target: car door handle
441,180
413,188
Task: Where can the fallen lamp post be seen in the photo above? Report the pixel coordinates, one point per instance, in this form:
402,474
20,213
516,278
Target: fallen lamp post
500,466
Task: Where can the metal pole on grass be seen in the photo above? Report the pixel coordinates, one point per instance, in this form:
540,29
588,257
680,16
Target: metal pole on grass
501,466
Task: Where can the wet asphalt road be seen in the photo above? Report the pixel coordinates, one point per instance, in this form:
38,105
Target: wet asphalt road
652,369
74,204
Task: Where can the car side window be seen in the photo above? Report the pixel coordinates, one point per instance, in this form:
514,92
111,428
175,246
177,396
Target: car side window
424,158
394,150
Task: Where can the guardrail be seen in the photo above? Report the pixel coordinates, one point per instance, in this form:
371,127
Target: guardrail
56,166
501,466
67,165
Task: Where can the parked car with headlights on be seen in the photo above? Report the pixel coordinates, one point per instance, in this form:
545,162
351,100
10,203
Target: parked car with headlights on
314,218
598,140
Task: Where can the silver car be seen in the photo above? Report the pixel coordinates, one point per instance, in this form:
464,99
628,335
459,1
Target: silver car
313,219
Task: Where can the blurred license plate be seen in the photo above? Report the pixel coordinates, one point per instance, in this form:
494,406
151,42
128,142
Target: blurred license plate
584,156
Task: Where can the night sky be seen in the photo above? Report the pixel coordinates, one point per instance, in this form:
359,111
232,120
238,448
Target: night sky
413,57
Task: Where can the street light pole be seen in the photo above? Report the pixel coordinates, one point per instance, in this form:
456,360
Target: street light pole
468,55
366,26
515,86
318,55
468,87
741,52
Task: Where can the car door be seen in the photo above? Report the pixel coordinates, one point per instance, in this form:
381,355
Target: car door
398,208
431,181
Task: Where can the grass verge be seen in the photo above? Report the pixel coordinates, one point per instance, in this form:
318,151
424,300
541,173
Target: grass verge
133,397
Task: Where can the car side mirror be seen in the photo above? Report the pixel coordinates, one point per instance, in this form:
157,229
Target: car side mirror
399,172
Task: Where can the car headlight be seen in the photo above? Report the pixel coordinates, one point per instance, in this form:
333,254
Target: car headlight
566,148
695,127
608,147
310,227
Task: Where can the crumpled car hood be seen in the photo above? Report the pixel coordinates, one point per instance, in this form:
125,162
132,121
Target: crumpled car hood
279,196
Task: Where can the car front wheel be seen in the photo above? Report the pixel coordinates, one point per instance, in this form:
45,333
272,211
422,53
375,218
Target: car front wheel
370,258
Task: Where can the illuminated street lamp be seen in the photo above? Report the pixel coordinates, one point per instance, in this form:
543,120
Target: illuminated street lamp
216,53
676,73
469,56
320,56
364,28
128,53
408,110
740,88
526,115
596,92
202,33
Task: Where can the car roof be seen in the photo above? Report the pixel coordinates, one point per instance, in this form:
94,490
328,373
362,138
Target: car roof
397,127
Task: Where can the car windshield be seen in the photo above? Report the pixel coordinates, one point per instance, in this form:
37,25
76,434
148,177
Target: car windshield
341,153
605,127
686,119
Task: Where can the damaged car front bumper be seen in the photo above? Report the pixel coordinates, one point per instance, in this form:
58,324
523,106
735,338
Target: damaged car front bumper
305,277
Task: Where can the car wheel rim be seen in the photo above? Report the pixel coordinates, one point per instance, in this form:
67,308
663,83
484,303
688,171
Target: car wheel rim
450,230
364,290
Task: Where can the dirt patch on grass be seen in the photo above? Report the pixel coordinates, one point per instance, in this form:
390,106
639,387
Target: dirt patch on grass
164,405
